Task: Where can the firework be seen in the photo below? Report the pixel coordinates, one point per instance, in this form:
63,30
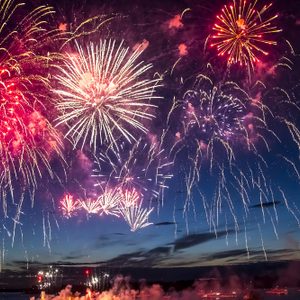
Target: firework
232,139
130,198
242,30
135,215
69,206
215,117
114,202
214,125
216,111
143,166
103,95
91,206
110,201
27,139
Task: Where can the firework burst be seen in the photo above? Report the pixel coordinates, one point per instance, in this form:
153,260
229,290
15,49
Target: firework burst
102,94
69,206
132,211
241,31
215,117
216,112
114,202
214,125
110,201
130,198
91,206
27,139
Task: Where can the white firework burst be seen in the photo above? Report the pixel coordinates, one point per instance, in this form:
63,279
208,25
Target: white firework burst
136,216
91,206
103,94
110,201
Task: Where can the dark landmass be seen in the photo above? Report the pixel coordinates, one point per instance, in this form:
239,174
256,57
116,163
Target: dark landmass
256,275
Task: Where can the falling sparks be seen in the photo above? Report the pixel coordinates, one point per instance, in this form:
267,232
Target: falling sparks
225,133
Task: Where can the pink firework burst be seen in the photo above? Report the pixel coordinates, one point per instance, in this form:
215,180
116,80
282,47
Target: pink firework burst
69,206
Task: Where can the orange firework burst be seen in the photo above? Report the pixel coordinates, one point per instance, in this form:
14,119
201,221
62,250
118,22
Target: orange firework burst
241,30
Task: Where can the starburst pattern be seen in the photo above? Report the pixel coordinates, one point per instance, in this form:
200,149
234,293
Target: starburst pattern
91,206
103,93
109,201
69,206
242,30
216,111
135,215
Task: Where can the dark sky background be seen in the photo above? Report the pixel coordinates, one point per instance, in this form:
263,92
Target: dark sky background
175,239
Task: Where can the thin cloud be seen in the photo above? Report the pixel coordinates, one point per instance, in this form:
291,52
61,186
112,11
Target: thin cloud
198,238
72,257
265,204
164,223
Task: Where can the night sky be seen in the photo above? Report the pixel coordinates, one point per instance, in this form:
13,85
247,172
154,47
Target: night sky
180,235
